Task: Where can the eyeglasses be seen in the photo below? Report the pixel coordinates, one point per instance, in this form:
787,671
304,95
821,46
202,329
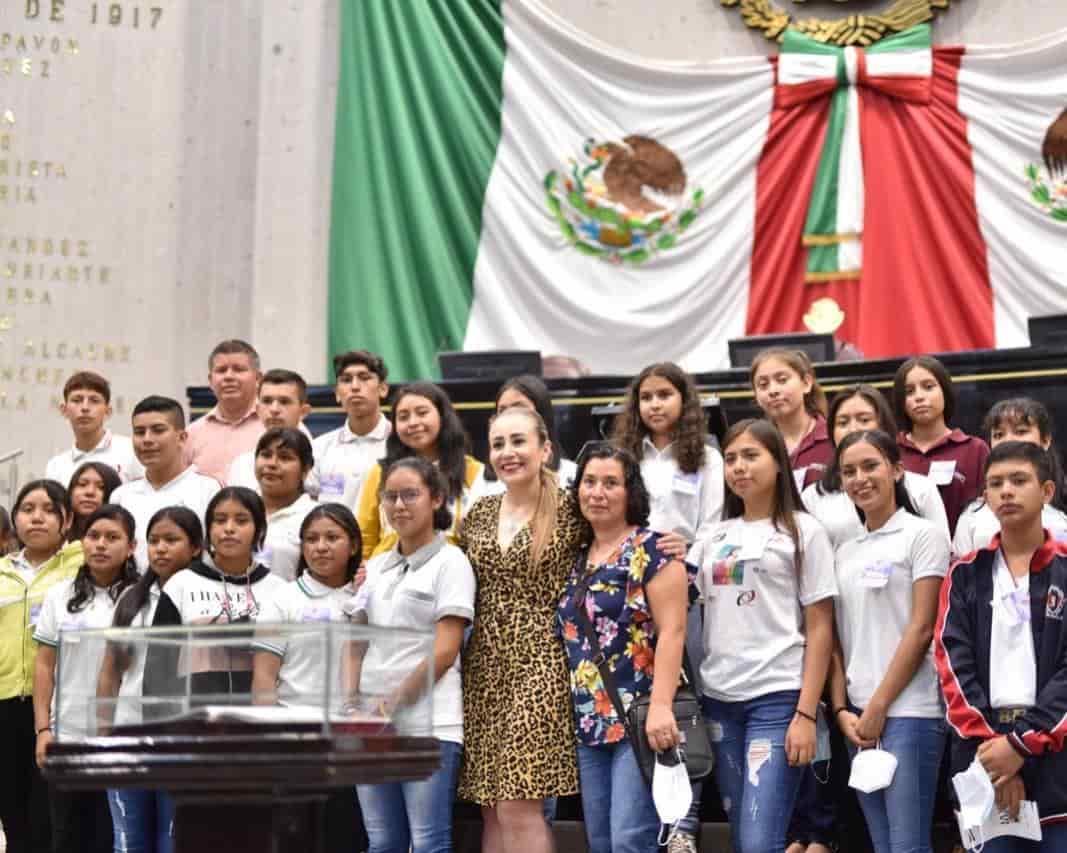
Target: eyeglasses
407,496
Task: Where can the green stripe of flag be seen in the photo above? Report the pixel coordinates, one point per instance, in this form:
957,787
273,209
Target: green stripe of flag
418,122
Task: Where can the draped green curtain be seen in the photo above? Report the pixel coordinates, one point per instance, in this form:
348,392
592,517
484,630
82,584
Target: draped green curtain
418,121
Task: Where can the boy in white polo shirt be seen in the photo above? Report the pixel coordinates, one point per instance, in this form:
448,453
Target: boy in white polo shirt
282,403
159,441
345,455
87,405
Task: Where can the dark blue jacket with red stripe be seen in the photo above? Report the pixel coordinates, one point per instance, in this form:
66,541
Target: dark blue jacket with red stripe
961,650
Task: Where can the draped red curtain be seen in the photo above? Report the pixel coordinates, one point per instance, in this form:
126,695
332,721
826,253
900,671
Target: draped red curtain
924,286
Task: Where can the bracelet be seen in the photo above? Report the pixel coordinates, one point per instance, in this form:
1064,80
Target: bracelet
807,717
44,729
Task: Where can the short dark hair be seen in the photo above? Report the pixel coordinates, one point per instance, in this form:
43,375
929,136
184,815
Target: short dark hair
638,504
163,405
234,346
434,481
291,439
57,494
250,501
1022,451
280,376
86,380
372,361
342,516
940,373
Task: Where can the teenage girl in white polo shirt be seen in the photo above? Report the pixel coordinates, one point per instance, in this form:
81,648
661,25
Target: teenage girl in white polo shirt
80,819
143,818
767,579
1018,419
423,582
291,671
854,409
883,681
282,461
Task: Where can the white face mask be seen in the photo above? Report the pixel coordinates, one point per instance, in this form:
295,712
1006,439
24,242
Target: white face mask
872,770
672,793
976,795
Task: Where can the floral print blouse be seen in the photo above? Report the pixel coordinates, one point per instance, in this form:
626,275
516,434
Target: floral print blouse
621,618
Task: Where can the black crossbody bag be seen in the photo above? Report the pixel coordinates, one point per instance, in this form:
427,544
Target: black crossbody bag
694,745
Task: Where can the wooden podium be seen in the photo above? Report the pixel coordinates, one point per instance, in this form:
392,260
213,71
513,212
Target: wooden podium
240,786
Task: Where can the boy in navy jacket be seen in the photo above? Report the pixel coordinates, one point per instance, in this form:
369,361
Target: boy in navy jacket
1001,649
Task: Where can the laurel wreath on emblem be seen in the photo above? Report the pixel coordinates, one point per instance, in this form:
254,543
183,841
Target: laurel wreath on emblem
861,30
623,202
1049,194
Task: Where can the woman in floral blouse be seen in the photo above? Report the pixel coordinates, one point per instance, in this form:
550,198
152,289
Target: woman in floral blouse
621,579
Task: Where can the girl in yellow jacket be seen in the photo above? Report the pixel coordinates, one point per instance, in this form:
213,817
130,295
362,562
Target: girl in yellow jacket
41,517
424,424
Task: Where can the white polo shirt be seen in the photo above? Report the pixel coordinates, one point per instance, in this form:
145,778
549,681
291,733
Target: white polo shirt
753,604
78,664
302,676
415,592
978,525
342,460
281,547
113,450
682,503
189,489
836,512
876,573
1013,681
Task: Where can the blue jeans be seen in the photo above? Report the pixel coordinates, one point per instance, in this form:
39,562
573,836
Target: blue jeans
757,784
900,817
1053,840
143,820
616,801
400,816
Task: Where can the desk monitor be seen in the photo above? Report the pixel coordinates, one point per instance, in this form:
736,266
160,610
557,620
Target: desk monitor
489,365
743,351
1049,331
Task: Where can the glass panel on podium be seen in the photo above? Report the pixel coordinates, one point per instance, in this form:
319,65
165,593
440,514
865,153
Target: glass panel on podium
324,677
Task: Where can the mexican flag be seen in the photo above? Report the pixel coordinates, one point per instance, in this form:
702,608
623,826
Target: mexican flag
503,181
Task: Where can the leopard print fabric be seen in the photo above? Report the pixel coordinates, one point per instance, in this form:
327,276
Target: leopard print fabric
517,717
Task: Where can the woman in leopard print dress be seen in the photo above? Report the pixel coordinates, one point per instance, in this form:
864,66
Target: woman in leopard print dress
519,746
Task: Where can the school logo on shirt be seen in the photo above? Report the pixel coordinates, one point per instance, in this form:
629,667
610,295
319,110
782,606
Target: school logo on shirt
727,568
1054,603
623,201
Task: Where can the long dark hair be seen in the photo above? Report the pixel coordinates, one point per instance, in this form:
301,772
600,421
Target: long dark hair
56,494
940,373
831,478
1030,412
690,433
111,481
342,516
887,446
452,440
786,495
83,587
534,390
250,501
137,595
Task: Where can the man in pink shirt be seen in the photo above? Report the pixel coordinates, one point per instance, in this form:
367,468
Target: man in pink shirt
232,427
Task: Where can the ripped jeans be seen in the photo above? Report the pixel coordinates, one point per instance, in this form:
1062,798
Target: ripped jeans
758,786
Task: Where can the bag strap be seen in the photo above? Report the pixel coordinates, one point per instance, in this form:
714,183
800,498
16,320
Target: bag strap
600,660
